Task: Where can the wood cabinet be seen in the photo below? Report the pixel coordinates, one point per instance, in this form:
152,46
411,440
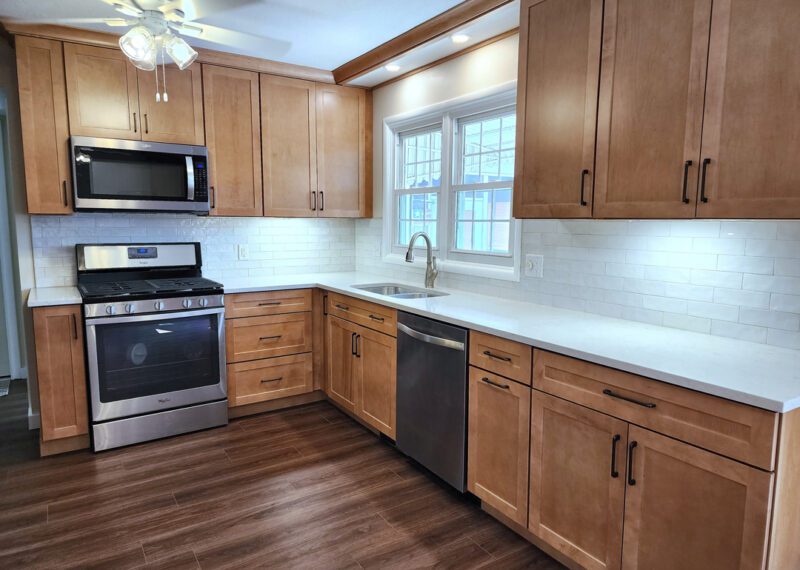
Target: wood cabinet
45,131
751,127
61,372
289,146
577,485
254,338
179,120
498,443
233,137
369,315
688,508
340,349
344,134
650,116
269,379
501,356
559,66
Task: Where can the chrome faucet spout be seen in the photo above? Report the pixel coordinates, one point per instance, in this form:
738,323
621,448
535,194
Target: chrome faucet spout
431,271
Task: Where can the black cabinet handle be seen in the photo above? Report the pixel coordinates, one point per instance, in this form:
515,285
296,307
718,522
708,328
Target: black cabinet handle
74,327
614,441
631,446
324,305
379,319
584,172
146,124
495,384
685,196
213,198
608,392
496,356
703,197
278,379
64,190
358,346
275,337
321,201
353,344
269,303
134,123
342,307
313,201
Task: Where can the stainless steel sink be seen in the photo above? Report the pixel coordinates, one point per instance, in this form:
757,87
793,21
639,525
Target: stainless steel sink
399,291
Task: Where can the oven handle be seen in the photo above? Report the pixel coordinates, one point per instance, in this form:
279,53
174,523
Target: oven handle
154,316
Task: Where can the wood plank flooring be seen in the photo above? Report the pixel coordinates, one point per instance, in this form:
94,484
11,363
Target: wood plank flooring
300,488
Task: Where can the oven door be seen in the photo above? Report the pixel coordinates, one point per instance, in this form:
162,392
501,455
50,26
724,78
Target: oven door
134,175
147,363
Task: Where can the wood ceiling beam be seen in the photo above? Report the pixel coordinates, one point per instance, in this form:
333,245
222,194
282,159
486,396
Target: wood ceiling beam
446,22
103,39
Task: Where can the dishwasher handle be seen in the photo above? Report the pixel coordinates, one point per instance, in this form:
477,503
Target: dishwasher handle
439,341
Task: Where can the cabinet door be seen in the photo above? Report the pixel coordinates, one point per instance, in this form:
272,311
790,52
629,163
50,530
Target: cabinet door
750,130
269,379
341,151
577,480
45,132
102,93
559,67
233,137
60,371
691,509
289,146
651,108
179,120
340,342
375,379
498,443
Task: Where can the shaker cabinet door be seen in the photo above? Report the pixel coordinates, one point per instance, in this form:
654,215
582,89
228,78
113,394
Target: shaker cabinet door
180,119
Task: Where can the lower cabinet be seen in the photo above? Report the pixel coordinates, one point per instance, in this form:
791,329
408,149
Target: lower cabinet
362,370
61,372
498,440
270,379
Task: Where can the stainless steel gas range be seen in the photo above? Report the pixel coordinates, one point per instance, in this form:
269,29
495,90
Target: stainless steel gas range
155,341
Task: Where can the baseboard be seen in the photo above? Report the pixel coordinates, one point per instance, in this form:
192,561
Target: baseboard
34,421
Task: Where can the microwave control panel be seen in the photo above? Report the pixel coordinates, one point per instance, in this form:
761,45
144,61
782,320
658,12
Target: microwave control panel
200,180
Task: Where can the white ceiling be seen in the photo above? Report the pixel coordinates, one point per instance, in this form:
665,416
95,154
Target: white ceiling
322,33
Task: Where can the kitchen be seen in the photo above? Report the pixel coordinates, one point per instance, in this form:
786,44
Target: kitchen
589,357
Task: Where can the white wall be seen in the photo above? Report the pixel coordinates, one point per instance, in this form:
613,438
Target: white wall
737,279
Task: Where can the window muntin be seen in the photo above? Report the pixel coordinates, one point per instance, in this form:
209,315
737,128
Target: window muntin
419,167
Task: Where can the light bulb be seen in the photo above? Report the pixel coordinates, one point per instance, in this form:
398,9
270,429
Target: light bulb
139,45
459,38
393,67
181,53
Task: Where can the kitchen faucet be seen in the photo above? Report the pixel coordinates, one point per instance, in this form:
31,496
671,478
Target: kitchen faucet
431,272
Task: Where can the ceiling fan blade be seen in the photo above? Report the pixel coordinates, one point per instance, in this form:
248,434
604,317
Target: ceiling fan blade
73,21
128,7
234,39
195,10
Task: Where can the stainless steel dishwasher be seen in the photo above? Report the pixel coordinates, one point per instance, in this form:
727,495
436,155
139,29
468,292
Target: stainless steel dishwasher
432,395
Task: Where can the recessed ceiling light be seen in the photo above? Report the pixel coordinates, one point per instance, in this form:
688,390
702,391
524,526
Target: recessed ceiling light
392,67
459,38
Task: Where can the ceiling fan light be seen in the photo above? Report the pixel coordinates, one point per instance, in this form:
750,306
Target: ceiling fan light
181,53
139,45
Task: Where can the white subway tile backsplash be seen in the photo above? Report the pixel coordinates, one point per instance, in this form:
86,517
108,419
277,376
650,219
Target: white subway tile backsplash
776,284
773,248
785,339
713,311
744,264
769,319
739,331
789,303
686,322
725,279
786,266
755,299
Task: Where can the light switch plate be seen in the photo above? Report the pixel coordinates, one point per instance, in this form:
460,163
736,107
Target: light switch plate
243,251
534,265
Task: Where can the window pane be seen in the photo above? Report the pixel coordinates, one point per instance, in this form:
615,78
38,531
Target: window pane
464,207
502,205
417,212
501,237
421,160
481,236
464,235
482,206
487,151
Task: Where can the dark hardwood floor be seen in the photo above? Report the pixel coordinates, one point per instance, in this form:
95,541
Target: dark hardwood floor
301,488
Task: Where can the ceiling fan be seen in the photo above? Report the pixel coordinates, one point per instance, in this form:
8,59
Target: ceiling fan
156,26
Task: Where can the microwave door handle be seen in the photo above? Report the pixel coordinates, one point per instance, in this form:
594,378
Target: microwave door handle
190,178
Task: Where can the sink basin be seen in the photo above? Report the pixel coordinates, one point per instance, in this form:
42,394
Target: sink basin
399,291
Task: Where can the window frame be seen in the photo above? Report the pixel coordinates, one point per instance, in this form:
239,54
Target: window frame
490,102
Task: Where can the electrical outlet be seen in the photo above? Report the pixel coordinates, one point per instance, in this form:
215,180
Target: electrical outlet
534,265
244,251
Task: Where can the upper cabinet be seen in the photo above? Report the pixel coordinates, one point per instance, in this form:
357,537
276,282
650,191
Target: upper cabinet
45,131
233,136
696,115
179,120
559,67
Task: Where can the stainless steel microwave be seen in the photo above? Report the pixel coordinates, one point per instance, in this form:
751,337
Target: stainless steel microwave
111,174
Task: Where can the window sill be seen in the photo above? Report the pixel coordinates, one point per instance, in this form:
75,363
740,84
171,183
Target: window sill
459,267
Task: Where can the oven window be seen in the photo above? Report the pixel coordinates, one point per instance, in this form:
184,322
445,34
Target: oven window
145,358
130,175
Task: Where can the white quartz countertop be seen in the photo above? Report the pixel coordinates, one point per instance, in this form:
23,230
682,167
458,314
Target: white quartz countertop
760,375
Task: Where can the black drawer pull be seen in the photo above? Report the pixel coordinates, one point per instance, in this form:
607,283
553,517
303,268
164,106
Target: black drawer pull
342,307
353,344
358,346
496,356
608,392
584,172
313,201
631,446
74,327
495,384
379,319
276,337
64,187
269,303
278,379
703,197
685,196
614,441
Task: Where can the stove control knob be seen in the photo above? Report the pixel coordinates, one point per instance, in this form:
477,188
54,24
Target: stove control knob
186,303
158,305
110,309
203,302
129,308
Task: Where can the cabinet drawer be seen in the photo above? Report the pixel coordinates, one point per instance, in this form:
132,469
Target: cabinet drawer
269,379
267,303
505,357
364,313
729,428
264,337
